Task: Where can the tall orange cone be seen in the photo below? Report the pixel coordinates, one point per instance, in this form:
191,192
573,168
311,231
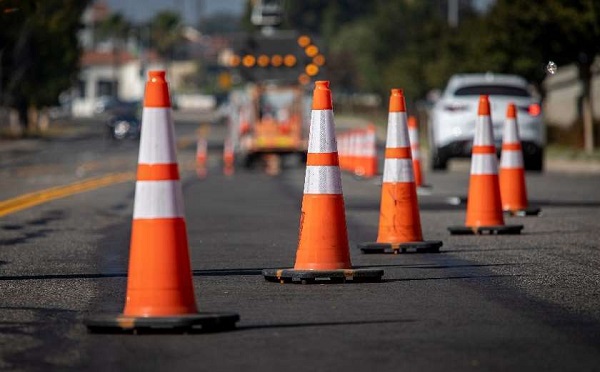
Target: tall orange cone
399,219
201,157
415,147
228,157
323,252
512,174
160,292
484,208
370,151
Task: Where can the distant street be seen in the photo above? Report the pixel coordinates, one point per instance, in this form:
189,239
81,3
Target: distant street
497,303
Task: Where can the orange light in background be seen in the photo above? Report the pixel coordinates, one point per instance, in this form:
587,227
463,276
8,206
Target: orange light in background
534,109
303,41
235,61
311,69
311,50
276,60
319,60
289,60
304,79
249,60
263,60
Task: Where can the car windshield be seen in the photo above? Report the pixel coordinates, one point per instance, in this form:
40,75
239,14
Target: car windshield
492,90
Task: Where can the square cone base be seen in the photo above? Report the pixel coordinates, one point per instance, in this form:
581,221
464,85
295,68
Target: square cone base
481,230
527,212
200,322
323,276
432,246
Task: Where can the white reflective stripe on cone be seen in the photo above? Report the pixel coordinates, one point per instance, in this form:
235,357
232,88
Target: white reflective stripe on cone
158,199
416,154
413,136
511,159
371,145
157,142
322,179
484,133
398,170
511,132
397,133
322,133
484,164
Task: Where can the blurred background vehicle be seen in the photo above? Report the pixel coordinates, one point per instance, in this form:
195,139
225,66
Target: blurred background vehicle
123,121
453,117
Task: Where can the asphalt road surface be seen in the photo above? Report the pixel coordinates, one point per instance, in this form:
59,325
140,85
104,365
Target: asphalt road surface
493,303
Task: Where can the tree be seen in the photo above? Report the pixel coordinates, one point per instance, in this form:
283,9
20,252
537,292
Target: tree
166,33
40,51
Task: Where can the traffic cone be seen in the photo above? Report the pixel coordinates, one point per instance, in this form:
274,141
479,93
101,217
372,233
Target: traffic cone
160,292
415,147
370,152
228,157
201,157
399,219
512,174
341,140
323,252
484,208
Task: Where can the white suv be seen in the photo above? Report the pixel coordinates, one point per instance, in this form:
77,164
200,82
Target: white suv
452,118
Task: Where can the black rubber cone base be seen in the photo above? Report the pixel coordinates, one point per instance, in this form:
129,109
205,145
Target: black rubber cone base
323,276
527,212
432,246
481,230
200,322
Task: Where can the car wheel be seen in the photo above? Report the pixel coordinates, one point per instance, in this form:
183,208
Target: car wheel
438,161
535,161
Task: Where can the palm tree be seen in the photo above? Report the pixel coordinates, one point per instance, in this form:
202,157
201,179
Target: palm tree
165,33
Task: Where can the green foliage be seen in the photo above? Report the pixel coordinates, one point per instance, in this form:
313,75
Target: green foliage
166,32
374,45
40,50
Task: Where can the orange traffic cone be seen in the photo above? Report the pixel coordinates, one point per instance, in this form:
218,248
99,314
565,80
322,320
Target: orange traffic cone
512,174
201,157
323,252
399,219
484,208
415,147
160,292
228,157
370,152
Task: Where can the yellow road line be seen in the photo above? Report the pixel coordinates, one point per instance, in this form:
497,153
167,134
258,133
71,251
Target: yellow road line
43,196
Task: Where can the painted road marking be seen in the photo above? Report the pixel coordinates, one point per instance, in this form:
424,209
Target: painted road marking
43,196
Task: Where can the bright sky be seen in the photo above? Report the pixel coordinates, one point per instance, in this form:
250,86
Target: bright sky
142,10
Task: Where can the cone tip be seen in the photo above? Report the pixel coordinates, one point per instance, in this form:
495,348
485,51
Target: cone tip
156,75
397,103
511,111
484,105
322,96
412,122
157,90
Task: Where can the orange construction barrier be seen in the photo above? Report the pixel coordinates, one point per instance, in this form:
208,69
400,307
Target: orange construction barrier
513,190
399,219
160,292
323,252
484,208
415,147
